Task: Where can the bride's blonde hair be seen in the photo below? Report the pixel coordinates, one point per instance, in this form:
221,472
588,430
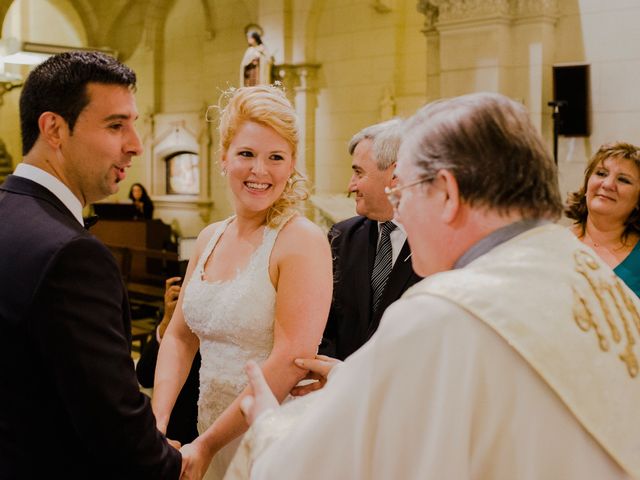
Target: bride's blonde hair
269,106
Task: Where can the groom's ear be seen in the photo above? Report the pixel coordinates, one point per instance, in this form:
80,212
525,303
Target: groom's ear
53,129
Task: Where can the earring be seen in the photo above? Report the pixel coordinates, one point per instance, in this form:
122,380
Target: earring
223,172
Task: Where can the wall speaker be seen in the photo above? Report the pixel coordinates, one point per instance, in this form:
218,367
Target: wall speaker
571,94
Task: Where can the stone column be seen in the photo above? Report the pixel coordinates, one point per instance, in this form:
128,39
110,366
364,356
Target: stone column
534,27
299,81
430,12
503,46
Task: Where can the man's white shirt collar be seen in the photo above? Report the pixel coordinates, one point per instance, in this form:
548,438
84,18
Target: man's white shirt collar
55,186
397,224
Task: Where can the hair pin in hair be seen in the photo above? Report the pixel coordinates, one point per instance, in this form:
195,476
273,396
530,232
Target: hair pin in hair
213,111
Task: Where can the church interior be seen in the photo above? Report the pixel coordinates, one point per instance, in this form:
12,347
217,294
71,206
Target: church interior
504,359
344,64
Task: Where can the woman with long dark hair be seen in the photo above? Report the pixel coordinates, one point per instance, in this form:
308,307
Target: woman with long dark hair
140,198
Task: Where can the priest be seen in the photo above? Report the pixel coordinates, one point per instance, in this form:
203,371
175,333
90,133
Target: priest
516,356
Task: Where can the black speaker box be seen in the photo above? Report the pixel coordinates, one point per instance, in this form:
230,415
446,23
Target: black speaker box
571,93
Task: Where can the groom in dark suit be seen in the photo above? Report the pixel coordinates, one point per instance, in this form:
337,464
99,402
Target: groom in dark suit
371,257
70,405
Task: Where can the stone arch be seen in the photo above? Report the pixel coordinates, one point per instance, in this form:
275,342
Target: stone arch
156,17
88,17
63,7
124,33
4,8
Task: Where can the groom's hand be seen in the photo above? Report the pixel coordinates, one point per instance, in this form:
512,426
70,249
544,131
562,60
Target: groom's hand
195,461
262,399
319,369
174,443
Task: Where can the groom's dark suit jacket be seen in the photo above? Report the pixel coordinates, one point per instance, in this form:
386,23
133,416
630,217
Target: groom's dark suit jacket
351,320
70,406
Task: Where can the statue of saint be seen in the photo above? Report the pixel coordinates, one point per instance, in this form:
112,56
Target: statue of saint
255,68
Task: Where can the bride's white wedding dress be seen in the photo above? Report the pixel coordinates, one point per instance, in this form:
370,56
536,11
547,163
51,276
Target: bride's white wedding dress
234,321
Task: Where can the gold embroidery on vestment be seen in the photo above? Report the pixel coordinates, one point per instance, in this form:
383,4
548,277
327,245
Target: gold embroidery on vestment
607,290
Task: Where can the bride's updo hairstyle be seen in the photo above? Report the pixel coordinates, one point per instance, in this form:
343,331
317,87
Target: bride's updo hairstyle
266,105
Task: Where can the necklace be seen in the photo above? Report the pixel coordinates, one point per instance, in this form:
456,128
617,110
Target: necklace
612,248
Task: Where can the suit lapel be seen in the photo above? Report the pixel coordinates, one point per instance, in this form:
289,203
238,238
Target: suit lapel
364,252
362,255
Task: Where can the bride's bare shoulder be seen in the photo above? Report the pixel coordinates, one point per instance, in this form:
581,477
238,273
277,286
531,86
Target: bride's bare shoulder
205,235
300,230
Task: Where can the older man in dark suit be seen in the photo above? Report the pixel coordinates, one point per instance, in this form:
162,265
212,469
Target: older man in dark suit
70,405
372,266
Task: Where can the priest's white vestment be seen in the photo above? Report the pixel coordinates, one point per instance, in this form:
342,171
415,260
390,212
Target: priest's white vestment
509,368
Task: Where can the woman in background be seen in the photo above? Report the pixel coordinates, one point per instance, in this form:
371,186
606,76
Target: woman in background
258,286
606,209
140,198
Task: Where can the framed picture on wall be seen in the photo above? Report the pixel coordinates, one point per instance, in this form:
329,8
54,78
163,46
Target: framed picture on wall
183,173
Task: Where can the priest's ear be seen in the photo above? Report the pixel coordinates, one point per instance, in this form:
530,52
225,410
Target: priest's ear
451,200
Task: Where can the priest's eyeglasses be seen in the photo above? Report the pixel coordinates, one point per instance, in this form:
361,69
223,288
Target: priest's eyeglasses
394,194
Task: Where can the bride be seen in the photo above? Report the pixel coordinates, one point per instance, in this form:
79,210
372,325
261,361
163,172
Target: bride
258,286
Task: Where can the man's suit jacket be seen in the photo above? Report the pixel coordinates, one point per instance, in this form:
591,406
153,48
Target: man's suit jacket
351,320
70,405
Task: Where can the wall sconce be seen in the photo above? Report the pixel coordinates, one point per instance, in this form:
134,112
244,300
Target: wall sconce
8,82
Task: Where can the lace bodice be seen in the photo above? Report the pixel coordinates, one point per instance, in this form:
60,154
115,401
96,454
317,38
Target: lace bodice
234,321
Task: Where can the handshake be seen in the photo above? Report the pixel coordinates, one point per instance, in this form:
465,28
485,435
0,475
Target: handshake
257,400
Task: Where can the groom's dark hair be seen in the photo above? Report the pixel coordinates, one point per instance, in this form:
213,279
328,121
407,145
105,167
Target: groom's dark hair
59,85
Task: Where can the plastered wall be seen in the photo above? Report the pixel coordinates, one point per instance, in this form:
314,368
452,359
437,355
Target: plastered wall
369,60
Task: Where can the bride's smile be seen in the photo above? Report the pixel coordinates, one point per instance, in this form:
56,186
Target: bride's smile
259,161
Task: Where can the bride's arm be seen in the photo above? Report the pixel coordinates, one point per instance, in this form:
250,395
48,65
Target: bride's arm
177,350
301,269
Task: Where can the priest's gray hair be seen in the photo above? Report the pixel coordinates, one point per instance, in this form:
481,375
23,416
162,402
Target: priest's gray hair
489,144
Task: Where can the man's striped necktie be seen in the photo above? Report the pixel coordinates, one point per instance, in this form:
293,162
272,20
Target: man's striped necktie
382,265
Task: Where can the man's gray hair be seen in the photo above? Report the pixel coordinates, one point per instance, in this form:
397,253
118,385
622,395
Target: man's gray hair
386,138
489,144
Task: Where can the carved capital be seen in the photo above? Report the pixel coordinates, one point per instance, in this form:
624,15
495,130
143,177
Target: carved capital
439,12
299,77
430,11
456,10
307,73
534,8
